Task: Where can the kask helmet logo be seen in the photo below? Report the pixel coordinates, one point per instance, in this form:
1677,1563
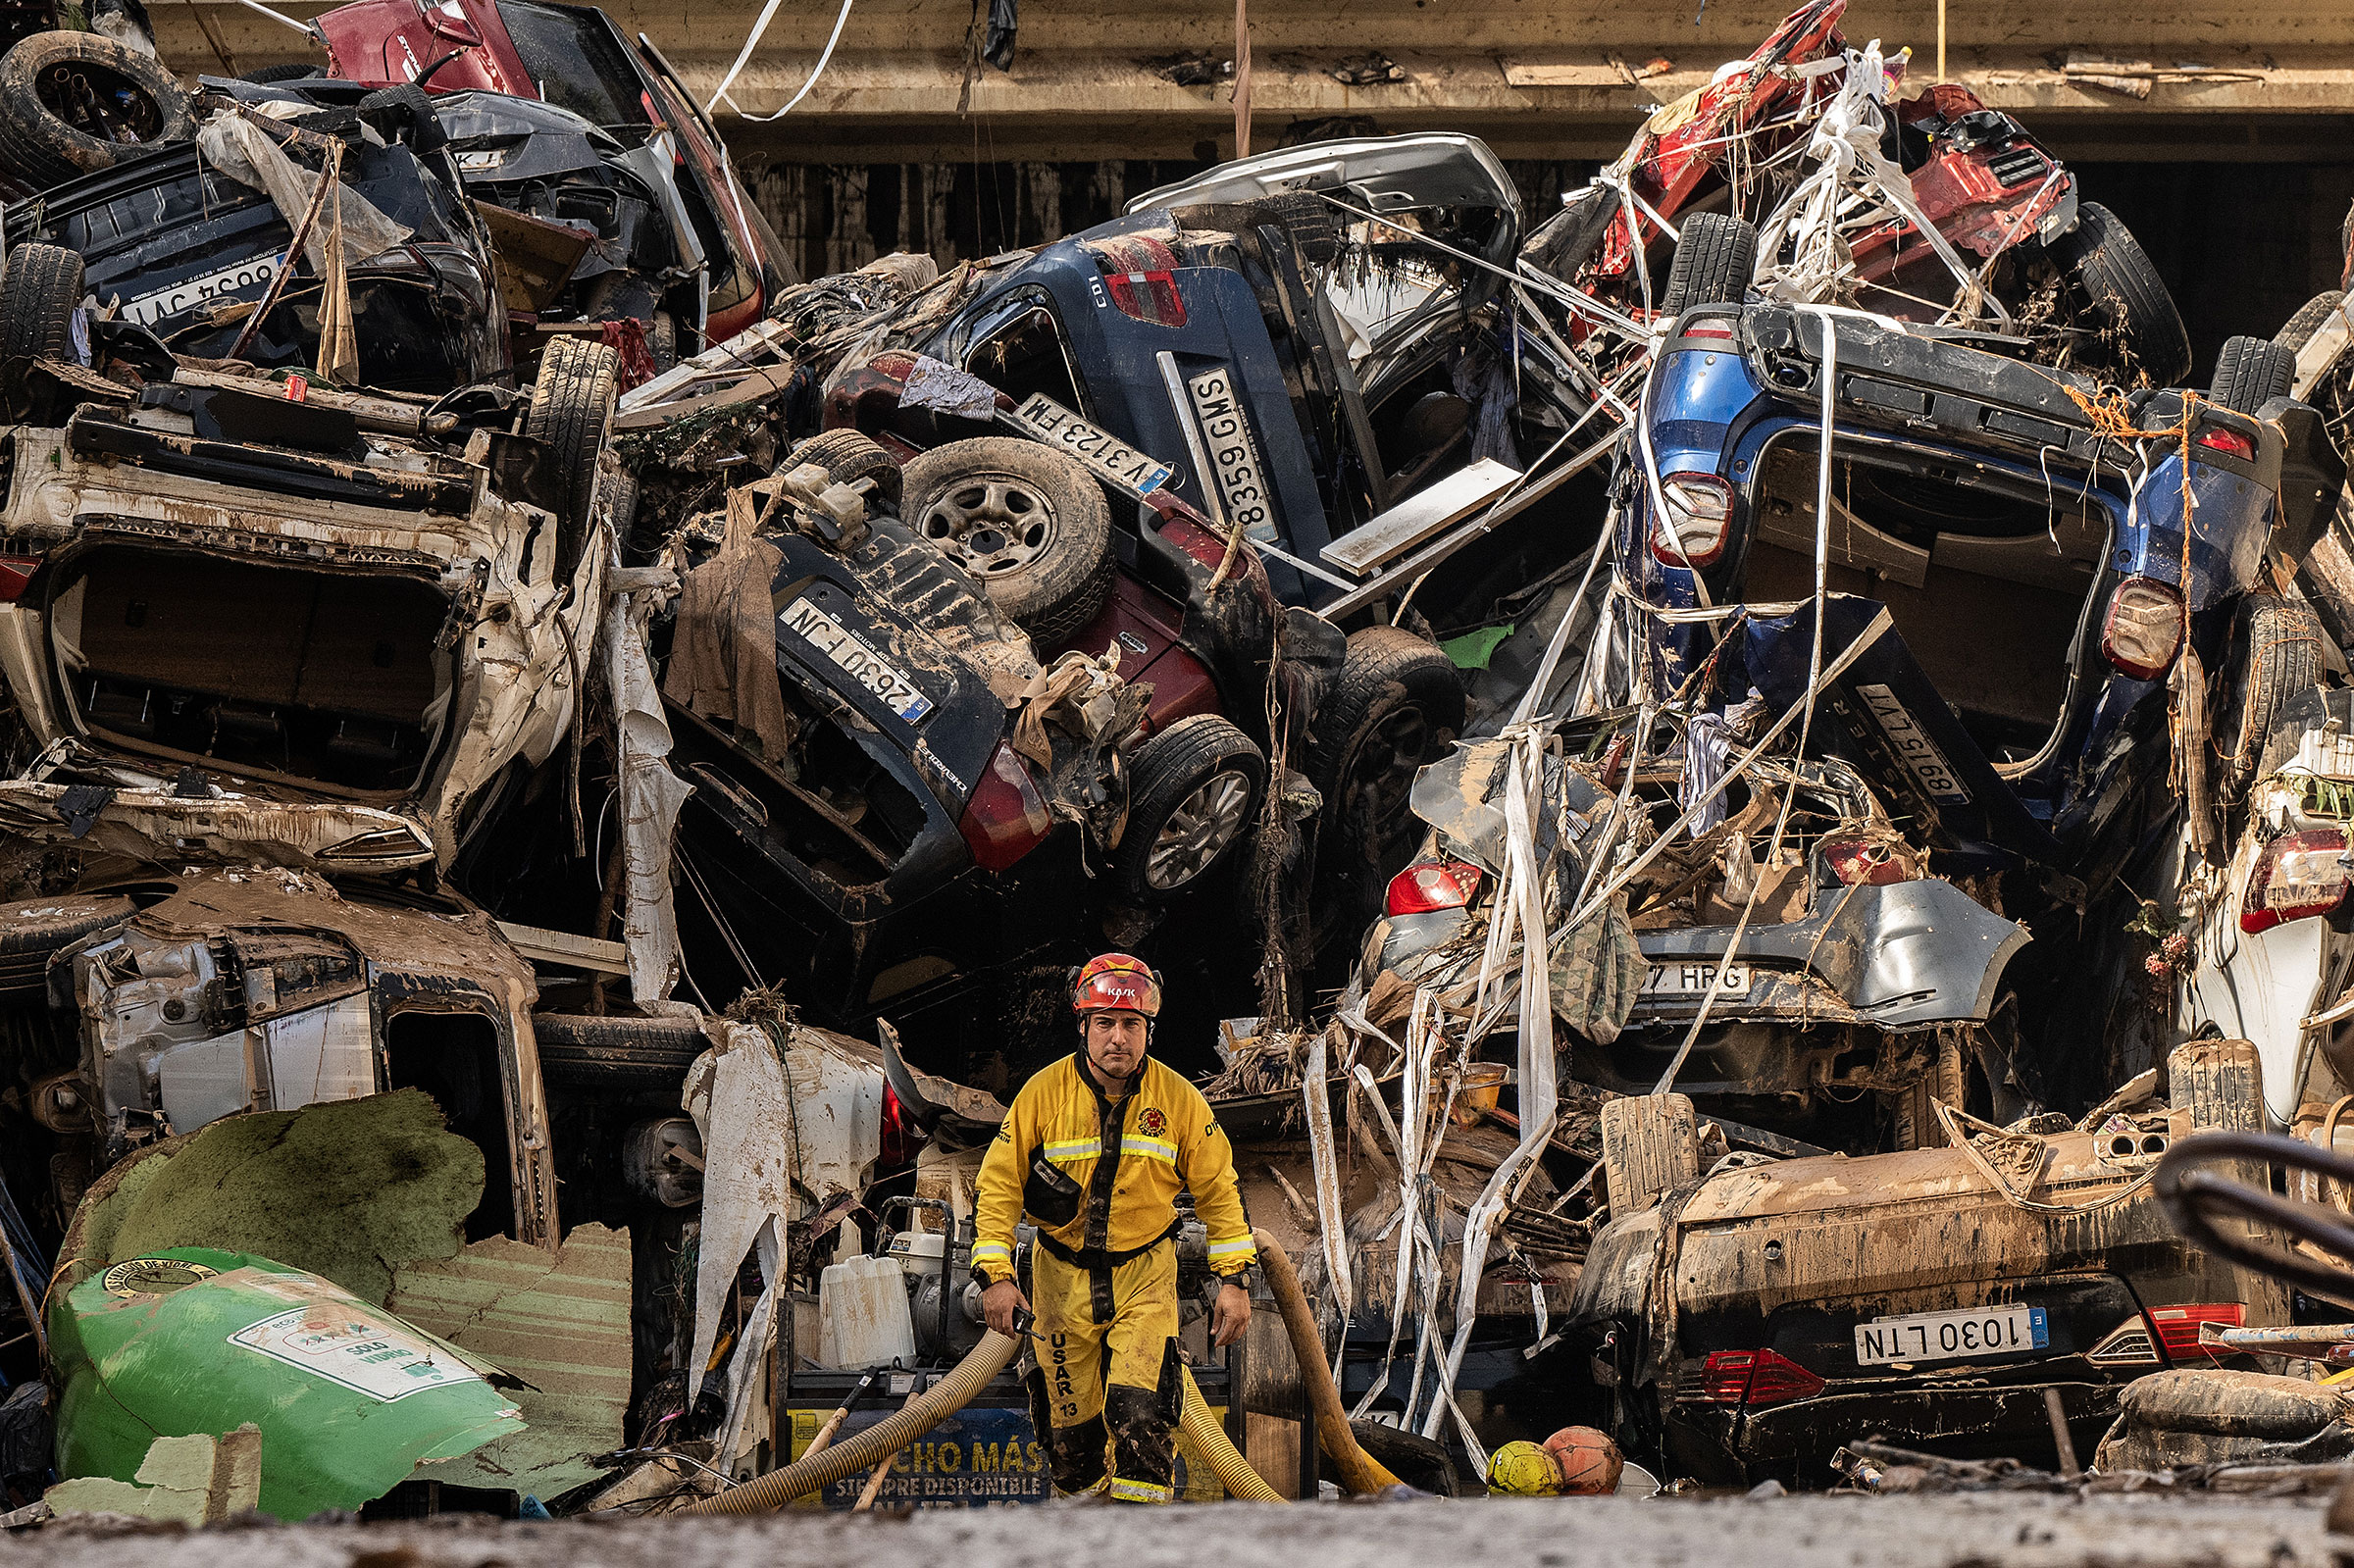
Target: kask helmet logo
1116,983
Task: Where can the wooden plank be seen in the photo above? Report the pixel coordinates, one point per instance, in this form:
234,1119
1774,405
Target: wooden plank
1420,516
544,946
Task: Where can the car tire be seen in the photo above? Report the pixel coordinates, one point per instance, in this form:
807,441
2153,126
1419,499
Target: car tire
284,70
1397,705
2298,330
1650,1147
663,341
571,415
40,288
2219,1082
40,146
1912,1109
2250,372
1309,220
33,930
1030,524
849,456
2121,292
2275,653
1715,257
1194,794
617,1053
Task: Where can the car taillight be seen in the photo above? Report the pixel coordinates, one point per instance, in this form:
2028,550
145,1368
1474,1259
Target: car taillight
15,571
1718,329
1006,816
2298,876
1866,862
2143,630
1755,1377
2179,1327
2220,439
1700,508
901,1138
1433,885
1147,297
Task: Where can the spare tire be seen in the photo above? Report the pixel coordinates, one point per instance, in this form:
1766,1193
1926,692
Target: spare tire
1028,522
1650,1147
74,103
2123,298
33,930
2250,372
617,1053
1193,796
2275,653
40,288
2298,330
1714,256
571,415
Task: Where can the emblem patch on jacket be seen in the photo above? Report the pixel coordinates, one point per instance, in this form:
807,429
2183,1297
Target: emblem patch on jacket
1152,1122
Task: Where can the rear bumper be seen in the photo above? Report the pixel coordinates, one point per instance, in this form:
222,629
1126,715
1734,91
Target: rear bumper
1793,1444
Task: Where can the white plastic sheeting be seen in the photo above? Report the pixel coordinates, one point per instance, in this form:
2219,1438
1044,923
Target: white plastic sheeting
651,798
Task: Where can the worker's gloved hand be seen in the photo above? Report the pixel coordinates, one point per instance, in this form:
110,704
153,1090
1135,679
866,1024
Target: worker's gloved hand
1000,1302
1227,1318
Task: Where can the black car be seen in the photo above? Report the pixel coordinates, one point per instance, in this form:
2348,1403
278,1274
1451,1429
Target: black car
180,247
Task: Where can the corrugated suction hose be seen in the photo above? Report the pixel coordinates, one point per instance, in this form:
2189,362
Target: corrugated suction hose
863,1450
1218,1450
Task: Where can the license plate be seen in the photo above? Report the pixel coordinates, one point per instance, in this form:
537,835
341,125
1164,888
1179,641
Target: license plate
1919,752
851,653
1233,455
1102,453
1675,979
1951,1335
180,298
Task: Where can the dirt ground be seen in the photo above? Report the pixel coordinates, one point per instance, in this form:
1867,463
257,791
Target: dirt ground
1977,1531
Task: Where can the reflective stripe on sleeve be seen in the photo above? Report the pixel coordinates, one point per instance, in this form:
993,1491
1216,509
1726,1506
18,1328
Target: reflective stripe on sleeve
1233,1249
1150,1148
992,1252
1138,1490
1077,1148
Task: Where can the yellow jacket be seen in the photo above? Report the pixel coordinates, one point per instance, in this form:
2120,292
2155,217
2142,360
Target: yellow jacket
1129,1157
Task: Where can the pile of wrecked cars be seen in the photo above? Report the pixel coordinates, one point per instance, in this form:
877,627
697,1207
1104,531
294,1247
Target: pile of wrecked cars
1731,772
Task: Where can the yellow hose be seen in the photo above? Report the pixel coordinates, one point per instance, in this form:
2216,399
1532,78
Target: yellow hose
863,1450
1216,1451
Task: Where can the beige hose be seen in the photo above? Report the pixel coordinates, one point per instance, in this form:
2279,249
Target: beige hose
1359,1470
863,1450
1216,1451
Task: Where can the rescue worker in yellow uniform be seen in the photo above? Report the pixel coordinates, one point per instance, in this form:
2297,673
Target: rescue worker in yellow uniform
1093,1152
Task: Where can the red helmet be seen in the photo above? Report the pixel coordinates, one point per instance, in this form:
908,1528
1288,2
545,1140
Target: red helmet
1116,983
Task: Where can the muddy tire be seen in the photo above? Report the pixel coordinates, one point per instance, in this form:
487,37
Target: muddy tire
617,1053
2250,372
1714,256
1316,232
849,456
74,103
663,341
1912,1109
2220,1082
1194,794
2298,330
1397,705
33,930
1650,1147
1029,522
40,287
571,415
2125,299
2275,653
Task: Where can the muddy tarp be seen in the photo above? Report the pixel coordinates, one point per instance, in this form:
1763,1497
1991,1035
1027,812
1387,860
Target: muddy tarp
722,660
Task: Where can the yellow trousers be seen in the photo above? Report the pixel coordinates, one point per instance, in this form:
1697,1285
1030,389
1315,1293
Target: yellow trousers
1108,1378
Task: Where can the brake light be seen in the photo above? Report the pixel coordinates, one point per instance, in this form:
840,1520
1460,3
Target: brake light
1006,816
1433,885
1868,862
2143,630
901,1138
1147,297
1700,508
2217,438
15,571
1715,330
2179,1327
2298,876
1759,1376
